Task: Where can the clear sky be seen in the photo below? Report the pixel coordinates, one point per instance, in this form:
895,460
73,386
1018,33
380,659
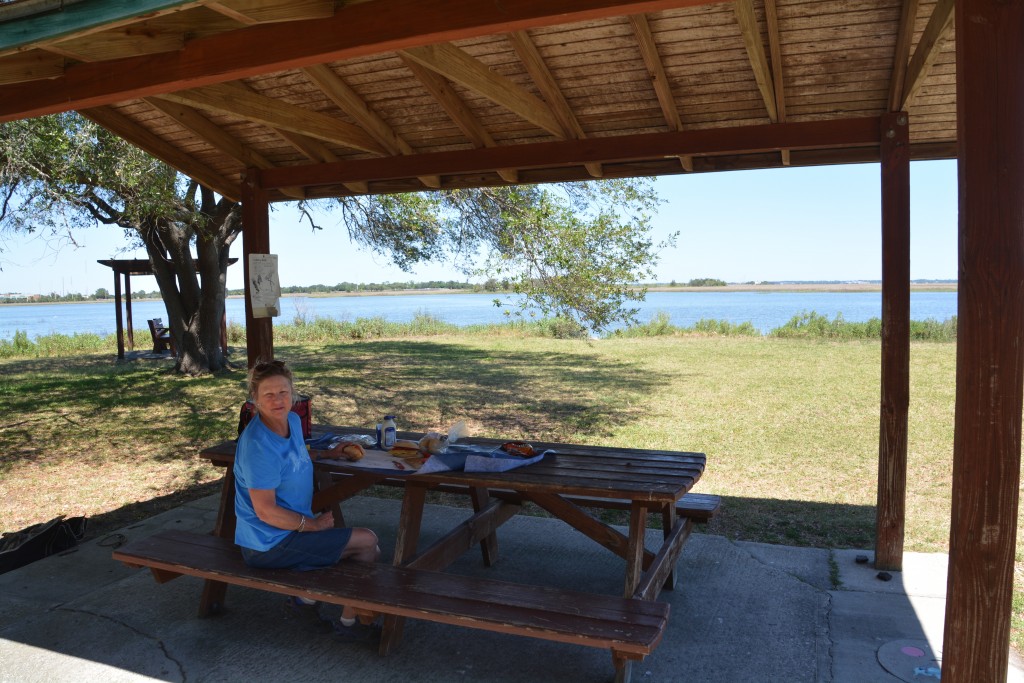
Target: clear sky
819,223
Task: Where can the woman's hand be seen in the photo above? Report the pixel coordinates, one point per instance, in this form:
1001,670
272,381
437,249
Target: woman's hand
320,522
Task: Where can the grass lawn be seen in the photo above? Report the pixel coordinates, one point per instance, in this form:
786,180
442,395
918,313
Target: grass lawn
790,426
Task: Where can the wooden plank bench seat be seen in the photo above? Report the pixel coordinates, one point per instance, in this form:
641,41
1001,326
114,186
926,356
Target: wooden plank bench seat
630,628
162,340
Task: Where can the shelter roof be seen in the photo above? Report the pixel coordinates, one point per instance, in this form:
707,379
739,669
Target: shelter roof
337,98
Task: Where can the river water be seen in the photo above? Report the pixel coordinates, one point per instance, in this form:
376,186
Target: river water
765,310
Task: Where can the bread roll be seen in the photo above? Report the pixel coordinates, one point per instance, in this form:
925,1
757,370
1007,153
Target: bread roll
352,452
432,444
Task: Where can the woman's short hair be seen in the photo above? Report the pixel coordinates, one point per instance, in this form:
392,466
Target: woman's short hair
266,369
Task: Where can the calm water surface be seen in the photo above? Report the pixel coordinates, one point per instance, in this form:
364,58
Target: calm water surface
765,310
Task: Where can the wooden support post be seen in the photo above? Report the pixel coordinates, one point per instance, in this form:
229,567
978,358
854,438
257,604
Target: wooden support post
129,326
892,438
990,352
117,315
259,332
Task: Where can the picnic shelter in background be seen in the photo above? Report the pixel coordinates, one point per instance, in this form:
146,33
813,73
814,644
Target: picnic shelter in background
273,100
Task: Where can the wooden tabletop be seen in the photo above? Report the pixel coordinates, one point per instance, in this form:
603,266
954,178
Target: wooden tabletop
601,471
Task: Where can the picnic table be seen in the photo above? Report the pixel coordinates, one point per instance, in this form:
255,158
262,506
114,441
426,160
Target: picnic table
566,481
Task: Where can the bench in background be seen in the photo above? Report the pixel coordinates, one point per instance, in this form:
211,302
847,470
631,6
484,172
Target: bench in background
162,340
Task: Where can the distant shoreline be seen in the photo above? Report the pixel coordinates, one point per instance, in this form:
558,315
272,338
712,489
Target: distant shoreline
793,287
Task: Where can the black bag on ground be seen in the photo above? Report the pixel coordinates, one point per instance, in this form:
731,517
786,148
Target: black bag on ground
33,543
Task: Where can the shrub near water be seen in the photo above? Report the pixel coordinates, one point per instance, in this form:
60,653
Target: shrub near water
816,326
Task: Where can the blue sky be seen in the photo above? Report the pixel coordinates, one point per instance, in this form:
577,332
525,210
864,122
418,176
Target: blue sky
819,223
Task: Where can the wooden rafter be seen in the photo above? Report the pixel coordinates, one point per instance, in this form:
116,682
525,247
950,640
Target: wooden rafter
31,66
457,111
832,134
349,101
317,152
355,30
928,48
455,65
252,12
217,137
144,38
239,101
144,140
755,52
901,54
545,82
771,18
659,79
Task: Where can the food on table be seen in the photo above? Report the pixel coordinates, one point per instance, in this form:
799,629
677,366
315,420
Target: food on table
352,451
433,443
404,448
520,448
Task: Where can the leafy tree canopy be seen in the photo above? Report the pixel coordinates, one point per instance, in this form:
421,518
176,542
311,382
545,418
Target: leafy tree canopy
572,250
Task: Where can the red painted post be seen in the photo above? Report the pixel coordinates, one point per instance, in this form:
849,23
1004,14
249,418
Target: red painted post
259,332
895,400
990,340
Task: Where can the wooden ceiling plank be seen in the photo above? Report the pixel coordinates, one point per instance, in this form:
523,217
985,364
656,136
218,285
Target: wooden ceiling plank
548,86
830,134
455,65
159,148
240,101
755,51
252,12
901,54
928,48
356,30
31,66
349,101
457,111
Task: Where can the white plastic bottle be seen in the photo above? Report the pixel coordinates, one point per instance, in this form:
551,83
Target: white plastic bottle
389,432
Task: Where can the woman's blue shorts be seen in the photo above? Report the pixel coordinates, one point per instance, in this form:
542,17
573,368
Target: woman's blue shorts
301,552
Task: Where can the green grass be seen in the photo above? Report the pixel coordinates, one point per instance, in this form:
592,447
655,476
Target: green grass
790,425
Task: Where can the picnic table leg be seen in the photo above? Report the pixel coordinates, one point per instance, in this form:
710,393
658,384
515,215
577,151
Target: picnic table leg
635,549
323,482
623,667
488,546
409,522
668,522
214,592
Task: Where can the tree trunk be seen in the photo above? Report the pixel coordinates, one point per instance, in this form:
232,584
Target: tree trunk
194,290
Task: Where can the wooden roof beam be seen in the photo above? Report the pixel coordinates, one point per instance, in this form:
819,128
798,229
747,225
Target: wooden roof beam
148,142
31,66
316,151
545,82
659,79
216,137
455,65
901,53
356,30
252,12
828,134
142,38
457,111
927,50
771,17
239,101
349,101
755,52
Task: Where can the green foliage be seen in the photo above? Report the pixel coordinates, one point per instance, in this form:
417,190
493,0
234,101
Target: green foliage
54,345
706,282
816,326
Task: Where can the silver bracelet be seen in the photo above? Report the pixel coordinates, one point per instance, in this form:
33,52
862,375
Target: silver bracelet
302,523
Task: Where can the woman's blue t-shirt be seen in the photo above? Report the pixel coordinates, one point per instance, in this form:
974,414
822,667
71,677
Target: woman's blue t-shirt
265,460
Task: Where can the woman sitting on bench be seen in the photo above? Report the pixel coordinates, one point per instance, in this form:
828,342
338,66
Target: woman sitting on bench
274,493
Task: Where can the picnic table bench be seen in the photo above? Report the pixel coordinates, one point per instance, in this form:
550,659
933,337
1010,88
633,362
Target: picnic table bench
162,340
630,628
576,477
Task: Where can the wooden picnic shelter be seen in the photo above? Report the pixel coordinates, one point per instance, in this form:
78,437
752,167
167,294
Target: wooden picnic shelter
123,270
272,100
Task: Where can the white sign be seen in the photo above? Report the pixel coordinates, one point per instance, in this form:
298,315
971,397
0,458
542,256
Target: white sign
264,286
